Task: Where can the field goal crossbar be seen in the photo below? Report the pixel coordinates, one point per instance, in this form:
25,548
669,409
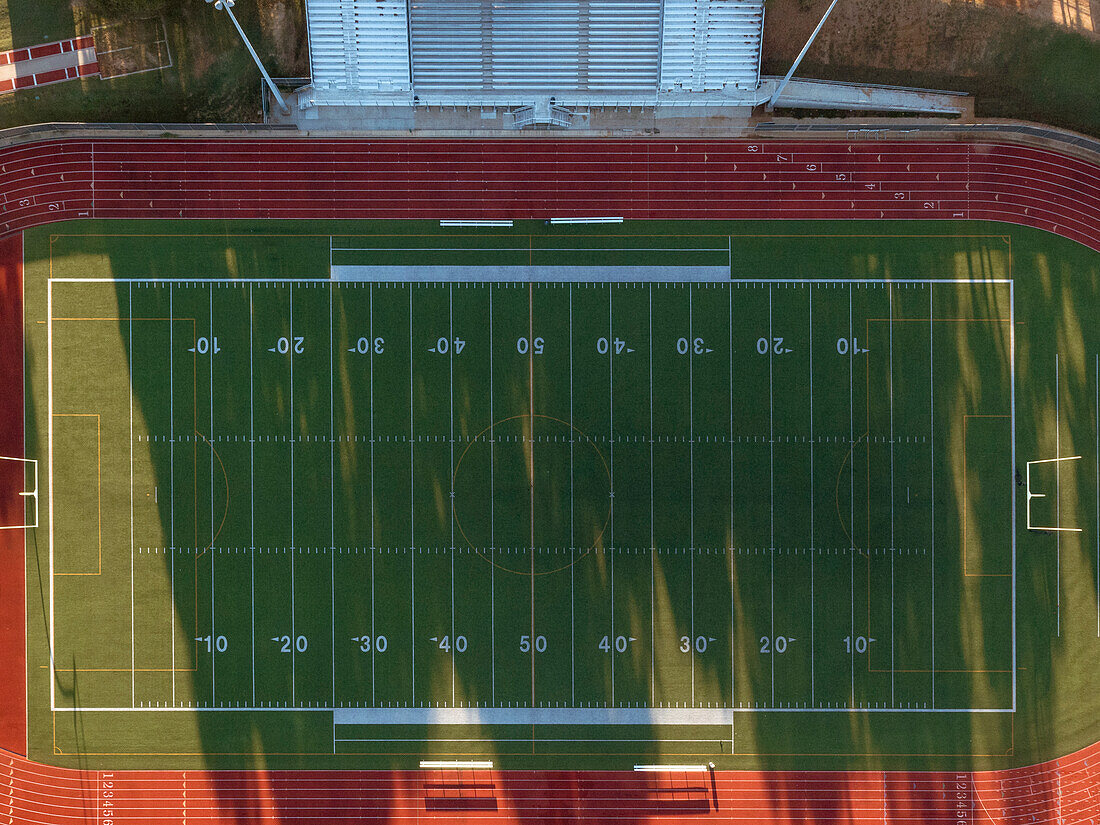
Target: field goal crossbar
31,494
1030,495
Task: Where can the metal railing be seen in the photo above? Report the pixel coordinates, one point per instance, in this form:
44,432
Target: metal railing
290,84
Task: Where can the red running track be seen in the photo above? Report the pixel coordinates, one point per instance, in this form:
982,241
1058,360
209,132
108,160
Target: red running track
313,178
307,178
1062,792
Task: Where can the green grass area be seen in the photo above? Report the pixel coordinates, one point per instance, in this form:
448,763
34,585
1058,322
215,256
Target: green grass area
790,500
30,23
212,77
1014,65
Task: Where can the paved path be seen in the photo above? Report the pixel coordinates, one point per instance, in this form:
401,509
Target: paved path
48,63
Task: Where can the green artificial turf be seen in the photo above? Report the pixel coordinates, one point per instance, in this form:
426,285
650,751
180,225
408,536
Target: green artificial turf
789,494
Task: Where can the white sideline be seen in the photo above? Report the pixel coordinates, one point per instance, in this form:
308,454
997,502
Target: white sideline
722,716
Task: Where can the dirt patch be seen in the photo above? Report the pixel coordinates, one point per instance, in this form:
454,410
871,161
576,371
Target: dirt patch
907,35
283,25
132,46
962,39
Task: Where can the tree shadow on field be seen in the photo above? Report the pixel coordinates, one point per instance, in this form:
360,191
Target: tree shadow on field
254,557
1056,289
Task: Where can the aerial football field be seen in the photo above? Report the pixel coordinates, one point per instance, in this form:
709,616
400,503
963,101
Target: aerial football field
790,494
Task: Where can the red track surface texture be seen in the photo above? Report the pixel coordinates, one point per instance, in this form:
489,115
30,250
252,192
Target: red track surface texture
300,178
13,707
292,178
1064,791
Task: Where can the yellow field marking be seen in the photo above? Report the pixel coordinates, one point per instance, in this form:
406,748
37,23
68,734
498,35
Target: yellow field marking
99,489
194,462
867,388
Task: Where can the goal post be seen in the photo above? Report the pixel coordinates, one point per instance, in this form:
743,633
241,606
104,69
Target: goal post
15,493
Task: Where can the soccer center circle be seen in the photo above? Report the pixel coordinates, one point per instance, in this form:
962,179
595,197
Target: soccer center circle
532,475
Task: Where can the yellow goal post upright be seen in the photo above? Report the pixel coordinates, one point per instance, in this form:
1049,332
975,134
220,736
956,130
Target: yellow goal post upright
9,467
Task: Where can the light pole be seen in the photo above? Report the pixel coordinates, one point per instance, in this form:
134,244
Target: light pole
783,83
227,6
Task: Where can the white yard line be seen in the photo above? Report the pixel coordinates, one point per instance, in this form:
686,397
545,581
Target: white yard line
771,493
852,493
890,300
932,480
572,514
332,488
691,479
730,550
130,324
252,485
813,552
1057,501
213,601
412,513
1012,395
293,553
373,630
451,444
611,447
652,537
492,513
172,485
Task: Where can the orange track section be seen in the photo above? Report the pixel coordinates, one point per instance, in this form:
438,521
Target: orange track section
771,179
13,688
1062,792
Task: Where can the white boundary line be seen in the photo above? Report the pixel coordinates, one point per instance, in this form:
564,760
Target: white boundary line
130,396
23,383
484,712
1012,395
761,282
49,470
932,490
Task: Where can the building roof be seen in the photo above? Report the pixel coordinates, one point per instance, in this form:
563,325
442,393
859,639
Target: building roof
591,48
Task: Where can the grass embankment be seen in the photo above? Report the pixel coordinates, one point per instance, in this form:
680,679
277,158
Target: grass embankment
211,78
1015,64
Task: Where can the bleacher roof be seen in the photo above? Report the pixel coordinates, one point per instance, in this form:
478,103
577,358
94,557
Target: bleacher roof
601,48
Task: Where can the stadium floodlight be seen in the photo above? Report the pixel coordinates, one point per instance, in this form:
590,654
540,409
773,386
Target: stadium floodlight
227,7
786,78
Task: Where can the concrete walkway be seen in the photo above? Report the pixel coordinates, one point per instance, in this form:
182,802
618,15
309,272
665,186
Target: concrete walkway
48,63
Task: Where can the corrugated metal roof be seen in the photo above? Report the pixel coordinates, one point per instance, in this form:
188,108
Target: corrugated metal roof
538,45
709,43
611,47
359,44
